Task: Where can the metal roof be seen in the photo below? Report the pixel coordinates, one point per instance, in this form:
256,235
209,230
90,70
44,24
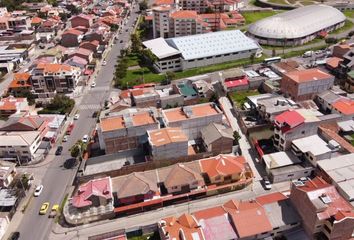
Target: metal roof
297,23
212,44
160,48
280,159
313,144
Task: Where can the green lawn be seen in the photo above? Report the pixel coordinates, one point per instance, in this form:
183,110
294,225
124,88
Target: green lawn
352,140
349,13
135,77
133,60
152,236
305,3
252,17
240,97
282,2
348,25
316,40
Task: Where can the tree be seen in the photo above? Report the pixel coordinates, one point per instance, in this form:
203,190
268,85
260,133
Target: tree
170,75
149,55
59,104
78,149
331,40
136,43
26,93
143,5
63,16
237,137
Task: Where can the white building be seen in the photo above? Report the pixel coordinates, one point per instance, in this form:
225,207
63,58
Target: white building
19,146
298,26
181,53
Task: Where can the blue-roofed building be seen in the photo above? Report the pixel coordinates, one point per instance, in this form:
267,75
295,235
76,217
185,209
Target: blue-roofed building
181,53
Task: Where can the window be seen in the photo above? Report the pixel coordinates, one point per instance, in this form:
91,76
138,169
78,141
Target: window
302,132
174,187
290,175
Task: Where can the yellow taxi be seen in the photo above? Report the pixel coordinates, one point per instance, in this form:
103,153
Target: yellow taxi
44,208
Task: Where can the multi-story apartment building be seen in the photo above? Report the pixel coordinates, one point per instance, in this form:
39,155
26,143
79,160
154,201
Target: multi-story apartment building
349,82
191,119
169,23
305,84
298,123
325,214
49,78
124,131
15,22
19,146
199,6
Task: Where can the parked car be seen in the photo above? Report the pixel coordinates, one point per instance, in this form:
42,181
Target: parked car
38,190
94,114
54,211
308,54
104,63
65,138
267,184
76,117
85,138
59,150
14,236
121,41
93,84
44,208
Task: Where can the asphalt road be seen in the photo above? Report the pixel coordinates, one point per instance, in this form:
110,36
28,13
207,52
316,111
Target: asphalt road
57,178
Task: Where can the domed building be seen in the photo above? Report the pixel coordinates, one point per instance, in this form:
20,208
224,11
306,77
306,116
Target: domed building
298,26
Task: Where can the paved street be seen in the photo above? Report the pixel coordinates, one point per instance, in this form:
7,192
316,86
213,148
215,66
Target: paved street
142,219
57,179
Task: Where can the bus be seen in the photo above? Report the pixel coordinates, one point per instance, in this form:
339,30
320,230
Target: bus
269,61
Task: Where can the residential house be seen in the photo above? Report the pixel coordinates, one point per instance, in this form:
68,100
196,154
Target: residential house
224,169
305,84
77,61
187,90
330,133
11,105
345,107
81,20
191,119
179,179
93,45
245,214
204,89
339,171
326,99
135,187
19,146
144,97
123,132
298,123
194,5
166,143
340,50
82,53
217,138
47,79
235,79
325,214
7,173
71,38
184,227
349,82
21,82
285,166
95,193
312,148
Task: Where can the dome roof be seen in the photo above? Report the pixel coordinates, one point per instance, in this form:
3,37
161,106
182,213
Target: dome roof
297,23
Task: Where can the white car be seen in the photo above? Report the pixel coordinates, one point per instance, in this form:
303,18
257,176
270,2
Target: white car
267,184
76,117
65,138
104,63
93,85
38,191
85,138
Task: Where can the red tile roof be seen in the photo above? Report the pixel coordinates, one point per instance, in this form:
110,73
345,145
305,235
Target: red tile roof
313,74
184,14
20,80
36,20
333,62
292,118
185,224
98,187
270,198
73,32
223,165
344,106
209,213
236,83
163,2
336,205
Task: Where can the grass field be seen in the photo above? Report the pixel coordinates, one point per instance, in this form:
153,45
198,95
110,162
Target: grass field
240,97
282,2
133,60
252,17
349,13
348,25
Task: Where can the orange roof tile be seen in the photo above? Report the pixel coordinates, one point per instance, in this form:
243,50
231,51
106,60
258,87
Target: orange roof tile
184,14
223,165
344,106
142,118
10,103
73,31
209,213
333,62
20,80
195,111
186,223
163,2
270,198
313,74
54,67
112,123
36,20
165,136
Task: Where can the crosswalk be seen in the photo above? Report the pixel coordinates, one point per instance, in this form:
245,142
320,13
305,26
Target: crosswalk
89,107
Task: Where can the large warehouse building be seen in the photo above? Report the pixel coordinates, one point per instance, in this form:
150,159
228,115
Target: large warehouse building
298,26
175,54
